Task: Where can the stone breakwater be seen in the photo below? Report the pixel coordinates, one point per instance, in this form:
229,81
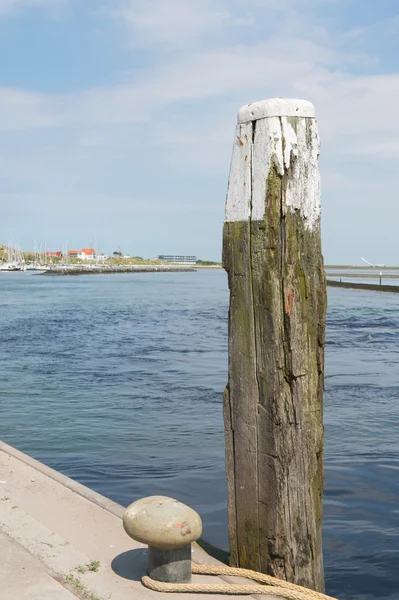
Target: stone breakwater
106,269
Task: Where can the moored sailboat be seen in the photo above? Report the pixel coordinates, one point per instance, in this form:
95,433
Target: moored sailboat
13,259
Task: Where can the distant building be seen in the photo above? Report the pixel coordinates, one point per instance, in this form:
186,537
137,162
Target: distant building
178,258
53,254
87,254
84,254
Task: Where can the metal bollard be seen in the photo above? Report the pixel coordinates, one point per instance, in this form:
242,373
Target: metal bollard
168,527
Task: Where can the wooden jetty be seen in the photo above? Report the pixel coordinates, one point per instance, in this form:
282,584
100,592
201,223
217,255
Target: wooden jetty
371,287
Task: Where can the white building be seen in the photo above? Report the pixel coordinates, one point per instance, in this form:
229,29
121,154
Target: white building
178,258
87,254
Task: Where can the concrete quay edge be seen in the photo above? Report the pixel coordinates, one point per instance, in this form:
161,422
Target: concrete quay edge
117,510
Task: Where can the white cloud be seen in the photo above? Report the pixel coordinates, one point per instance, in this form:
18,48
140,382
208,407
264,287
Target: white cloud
307,63
349,107
20,109
205,58
176,23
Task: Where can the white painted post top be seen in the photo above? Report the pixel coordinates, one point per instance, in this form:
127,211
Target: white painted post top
276,107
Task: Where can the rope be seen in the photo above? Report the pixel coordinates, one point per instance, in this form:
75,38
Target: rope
271,585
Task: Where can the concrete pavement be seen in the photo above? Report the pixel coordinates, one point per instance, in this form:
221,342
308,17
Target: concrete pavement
60,540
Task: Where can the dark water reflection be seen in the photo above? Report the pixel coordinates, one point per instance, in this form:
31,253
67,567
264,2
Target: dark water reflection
116,381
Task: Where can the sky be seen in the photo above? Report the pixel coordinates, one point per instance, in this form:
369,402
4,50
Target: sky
117,118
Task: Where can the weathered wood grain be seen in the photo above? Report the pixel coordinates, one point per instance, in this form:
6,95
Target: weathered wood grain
274,396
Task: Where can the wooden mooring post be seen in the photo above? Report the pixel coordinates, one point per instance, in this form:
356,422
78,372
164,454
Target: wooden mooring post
274,397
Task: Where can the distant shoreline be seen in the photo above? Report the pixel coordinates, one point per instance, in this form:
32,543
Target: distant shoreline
207,267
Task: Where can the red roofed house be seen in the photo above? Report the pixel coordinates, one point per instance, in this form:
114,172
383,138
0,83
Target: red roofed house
83,254
54,254
87,254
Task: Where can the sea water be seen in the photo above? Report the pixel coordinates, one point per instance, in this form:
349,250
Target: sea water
117,381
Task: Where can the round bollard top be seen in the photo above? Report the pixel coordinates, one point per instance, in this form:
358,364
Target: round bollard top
162,522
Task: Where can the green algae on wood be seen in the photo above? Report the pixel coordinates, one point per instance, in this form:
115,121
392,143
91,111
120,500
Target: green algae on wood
273,403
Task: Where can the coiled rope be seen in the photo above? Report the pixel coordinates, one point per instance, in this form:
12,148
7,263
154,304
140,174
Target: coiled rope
271,585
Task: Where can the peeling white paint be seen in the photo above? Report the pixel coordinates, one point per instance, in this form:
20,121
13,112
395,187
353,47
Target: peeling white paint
303,186
290,142
238,201
275,140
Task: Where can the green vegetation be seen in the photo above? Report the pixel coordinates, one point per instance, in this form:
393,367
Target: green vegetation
92,566
74,580
208,263
133,260
29,257
81,587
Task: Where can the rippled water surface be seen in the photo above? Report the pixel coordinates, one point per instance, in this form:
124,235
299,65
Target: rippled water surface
116,380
